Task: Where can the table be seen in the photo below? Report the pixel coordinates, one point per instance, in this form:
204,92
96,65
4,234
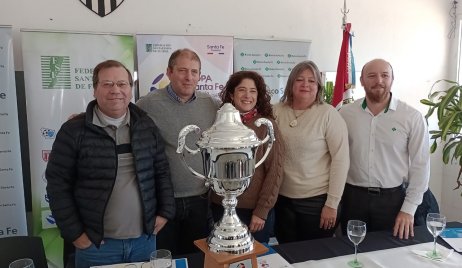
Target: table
338,246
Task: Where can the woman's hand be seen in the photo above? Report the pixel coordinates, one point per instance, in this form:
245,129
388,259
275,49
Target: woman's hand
256,224
328,218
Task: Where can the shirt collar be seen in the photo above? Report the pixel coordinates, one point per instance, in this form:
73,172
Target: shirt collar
100,120
173,96
392,104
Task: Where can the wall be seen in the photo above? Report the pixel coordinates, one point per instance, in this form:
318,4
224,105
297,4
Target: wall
411,34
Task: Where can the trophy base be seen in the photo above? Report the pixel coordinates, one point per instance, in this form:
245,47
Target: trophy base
224,260
230,235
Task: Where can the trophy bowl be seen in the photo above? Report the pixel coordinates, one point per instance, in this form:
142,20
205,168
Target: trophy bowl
228,150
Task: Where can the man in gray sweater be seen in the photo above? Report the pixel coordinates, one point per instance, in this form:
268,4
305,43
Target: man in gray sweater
172,108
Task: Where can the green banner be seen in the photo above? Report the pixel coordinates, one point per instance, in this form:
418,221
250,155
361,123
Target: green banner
58,69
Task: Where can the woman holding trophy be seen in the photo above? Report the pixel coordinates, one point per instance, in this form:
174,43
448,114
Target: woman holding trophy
316,161
246,90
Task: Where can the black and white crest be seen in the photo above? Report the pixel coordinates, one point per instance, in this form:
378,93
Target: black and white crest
102,7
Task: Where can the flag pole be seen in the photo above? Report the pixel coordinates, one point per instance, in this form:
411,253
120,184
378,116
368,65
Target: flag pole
345,77
344,11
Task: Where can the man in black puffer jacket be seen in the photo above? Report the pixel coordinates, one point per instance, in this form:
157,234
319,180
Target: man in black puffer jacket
108,177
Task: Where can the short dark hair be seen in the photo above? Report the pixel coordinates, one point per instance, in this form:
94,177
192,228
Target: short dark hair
288,95
109,64
184,51
263,104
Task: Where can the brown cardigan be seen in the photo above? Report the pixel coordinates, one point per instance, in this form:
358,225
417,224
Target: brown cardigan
264,185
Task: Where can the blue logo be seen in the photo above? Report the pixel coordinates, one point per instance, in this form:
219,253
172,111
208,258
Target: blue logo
48,133
50,219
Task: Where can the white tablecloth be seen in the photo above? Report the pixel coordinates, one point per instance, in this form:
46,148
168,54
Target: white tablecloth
395,257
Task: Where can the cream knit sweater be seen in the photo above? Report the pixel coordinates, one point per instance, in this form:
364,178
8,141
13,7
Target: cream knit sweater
317,156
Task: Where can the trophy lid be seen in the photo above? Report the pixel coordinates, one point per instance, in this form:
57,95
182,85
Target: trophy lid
228,131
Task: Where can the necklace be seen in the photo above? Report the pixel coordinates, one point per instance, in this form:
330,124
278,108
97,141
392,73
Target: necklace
294,122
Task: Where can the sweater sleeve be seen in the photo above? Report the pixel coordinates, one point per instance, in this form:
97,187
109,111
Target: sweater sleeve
164,187
337,142
273,167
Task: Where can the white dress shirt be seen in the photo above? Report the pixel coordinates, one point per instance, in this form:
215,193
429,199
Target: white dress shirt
389,149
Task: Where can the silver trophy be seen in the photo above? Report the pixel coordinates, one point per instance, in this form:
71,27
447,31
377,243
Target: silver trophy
228,151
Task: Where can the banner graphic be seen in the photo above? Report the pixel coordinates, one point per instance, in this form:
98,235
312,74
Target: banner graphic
12,205
153,52
58,69
273,59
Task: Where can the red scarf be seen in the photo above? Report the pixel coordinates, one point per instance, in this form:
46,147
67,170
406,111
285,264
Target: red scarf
245,117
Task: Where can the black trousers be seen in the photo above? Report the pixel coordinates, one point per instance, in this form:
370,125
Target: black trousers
245,215
191,223
298,219
377,207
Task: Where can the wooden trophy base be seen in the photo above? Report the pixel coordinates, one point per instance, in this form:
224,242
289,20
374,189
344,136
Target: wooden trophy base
224,260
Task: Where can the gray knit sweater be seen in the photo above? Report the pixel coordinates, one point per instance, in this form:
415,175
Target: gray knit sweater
170,117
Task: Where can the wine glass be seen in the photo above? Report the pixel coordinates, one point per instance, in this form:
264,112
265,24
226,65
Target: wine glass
356,231
161,258
22,263
435,225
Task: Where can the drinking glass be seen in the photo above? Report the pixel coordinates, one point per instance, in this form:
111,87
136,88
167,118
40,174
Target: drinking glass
435,225
161,258
356,231
22,263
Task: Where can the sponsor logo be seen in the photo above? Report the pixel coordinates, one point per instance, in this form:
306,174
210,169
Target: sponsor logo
250,69
274,69
274,55
262,61
158,82
48,133
215,49
56,72
102,8
45,155
296,56
48,221
158,48
243,54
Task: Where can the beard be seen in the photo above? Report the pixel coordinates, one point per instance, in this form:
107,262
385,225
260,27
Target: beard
377,94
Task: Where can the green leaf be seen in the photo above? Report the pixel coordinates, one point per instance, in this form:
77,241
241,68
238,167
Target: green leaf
433,147
427,102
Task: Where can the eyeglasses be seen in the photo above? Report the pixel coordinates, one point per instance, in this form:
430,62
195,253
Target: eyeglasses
110,84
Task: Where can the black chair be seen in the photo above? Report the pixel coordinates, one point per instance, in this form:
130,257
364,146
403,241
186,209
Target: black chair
17,247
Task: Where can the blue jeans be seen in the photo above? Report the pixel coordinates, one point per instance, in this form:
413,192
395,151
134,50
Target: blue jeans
116,251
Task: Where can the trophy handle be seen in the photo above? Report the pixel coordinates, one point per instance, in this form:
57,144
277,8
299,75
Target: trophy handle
182,145
269,137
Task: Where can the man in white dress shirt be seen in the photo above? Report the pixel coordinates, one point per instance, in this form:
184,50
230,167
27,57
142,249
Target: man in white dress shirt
389,156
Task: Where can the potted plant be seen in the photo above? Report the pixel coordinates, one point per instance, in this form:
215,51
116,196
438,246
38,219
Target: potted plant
448,105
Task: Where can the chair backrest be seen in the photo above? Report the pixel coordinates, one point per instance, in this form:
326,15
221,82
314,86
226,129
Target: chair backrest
17,247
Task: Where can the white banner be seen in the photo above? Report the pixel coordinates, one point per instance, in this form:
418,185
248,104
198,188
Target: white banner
215,52
58,70
273,59
12,206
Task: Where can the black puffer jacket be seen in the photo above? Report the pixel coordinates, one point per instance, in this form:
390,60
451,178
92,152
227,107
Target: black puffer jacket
82,169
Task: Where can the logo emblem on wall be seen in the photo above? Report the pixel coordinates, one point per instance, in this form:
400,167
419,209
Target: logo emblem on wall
48,133
45,155
102,8
47,220
56,72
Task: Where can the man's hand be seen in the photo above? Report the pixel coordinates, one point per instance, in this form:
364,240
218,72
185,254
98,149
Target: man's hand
256,224
160,223
328,218
82,242
404,225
